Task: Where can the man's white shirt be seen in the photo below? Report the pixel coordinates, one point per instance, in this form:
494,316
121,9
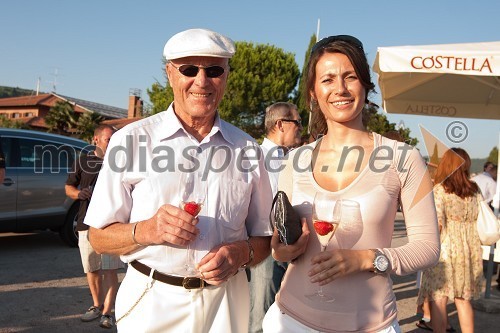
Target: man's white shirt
487,185
273,156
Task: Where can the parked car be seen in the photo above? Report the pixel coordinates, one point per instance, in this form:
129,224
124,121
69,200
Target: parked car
32,196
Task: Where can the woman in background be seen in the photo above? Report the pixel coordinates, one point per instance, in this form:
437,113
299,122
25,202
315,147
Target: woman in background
458,275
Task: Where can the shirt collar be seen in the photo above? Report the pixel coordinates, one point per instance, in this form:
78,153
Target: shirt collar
174,125
487,174
268,144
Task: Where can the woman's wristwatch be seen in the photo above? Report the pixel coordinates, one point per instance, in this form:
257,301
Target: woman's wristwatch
381,263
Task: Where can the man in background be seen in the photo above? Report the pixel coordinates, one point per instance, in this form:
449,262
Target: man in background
101,269
283,128
487,182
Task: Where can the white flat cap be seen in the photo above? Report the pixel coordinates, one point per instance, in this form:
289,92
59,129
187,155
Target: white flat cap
198,42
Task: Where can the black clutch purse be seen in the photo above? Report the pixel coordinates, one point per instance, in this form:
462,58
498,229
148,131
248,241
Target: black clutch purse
284,218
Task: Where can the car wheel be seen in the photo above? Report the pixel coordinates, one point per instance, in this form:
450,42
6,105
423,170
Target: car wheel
68,231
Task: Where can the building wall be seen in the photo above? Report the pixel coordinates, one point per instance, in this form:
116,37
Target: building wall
19,113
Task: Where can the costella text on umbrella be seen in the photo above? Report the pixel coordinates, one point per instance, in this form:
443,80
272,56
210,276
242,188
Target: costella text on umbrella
432,109
451,63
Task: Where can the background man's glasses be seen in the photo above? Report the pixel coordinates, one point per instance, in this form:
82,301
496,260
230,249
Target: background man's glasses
192,70
296,122
343,38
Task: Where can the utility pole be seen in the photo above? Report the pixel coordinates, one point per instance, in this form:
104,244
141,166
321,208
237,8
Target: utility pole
54,83
317,31
38,86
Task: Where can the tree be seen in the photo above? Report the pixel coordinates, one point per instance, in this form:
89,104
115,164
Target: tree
493,157
377,122
87,122
61,118
160,97
300,98
260,75
9,123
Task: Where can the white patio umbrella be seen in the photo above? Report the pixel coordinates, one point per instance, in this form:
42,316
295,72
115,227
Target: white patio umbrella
448,80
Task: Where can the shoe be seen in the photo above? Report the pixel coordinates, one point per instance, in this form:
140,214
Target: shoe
92,313
425,326
107,321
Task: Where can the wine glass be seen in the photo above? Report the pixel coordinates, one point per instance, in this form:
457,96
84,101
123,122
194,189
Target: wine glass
325,221
192,202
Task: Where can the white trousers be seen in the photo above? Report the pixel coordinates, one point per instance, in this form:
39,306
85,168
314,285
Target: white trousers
167,308
277,322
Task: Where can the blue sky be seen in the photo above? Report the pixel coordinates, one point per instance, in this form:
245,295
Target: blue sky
102,48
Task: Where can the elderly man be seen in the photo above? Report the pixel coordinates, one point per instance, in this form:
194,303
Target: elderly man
135,208
283,132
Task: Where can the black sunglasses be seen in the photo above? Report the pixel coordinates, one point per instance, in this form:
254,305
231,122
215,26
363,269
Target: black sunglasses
296,122
343,38
192,70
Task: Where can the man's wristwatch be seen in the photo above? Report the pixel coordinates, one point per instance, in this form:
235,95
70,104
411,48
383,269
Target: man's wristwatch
250,254
380,263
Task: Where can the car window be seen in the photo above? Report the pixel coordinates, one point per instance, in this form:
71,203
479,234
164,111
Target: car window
42,155
5,142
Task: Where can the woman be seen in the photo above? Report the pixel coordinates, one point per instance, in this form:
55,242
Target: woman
350,163
458,275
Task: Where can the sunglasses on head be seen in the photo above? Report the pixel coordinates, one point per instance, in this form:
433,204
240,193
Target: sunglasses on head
192,70
343,38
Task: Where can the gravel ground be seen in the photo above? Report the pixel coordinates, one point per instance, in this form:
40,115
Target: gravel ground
43,288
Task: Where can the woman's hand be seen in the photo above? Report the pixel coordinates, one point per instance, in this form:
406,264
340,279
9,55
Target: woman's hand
330,265
286,253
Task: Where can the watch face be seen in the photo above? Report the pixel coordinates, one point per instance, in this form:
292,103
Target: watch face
381,263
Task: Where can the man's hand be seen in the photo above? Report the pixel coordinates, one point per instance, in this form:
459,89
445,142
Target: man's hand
171,225
85,194
223,261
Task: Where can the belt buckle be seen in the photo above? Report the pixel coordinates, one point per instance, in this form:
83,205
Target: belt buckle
187,282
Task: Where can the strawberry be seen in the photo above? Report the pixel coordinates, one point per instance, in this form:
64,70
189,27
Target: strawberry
323,228
192,208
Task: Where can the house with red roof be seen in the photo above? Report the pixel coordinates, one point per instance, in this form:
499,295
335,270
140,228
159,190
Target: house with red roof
32,110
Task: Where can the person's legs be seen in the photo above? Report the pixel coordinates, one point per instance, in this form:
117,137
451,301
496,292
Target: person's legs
265,281
465,315
94,281
109,265
261,295
110,288
439,315
91,263
426,310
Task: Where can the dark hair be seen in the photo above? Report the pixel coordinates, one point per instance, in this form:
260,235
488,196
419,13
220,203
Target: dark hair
356,56
488,165
453,173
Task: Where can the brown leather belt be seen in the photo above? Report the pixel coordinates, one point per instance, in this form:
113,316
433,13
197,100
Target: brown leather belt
186,282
